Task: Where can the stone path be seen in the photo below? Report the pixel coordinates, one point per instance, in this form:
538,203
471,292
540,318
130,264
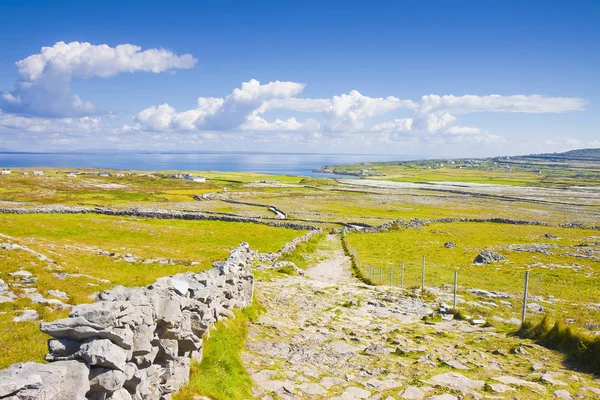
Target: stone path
328,336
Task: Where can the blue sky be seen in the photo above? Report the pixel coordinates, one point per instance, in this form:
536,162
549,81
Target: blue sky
319,76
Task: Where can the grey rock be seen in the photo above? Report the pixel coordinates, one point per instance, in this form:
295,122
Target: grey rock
312,389
488,257
456,381
65,380
106,380
412,393
563,395
444,396
121,394
58,293
103,353
377,349
27,315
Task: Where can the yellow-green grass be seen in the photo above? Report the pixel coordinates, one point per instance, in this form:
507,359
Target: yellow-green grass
584,349
221,374
147,238
573,289
304,254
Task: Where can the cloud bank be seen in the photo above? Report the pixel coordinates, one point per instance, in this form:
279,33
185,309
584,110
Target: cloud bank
272,112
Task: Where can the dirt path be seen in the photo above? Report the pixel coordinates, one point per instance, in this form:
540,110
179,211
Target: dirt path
336,267
328,336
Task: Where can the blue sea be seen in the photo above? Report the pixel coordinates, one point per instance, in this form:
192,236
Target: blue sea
301,164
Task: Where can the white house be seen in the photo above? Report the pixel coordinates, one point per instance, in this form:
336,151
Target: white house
5,171
24,173
104,174
193,178
72,175
38,173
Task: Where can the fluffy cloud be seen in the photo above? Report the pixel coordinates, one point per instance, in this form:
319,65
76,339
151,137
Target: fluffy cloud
349,112
497,103
43,87
347,116
222,114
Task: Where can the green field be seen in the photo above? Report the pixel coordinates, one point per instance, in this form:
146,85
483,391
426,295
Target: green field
571,280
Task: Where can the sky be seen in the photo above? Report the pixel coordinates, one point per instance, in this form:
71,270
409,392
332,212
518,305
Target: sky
437,78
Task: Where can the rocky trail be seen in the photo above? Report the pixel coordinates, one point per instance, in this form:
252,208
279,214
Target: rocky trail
326,335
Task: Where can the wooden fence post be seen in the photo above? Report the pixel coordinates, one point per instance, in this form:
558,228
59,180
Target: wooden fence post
525,296
455,281
423,273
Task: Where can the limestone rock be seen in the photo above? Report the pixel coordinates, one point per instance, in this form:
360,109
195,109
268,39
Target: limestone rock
488,257
456,381
412,393
65,380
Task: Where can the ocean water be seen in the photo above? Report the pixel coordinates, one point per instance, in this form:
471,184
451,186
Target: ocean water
301,164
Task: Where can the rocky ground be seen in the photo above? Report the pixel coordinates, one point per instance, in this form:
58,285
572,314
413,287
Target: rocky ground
325,335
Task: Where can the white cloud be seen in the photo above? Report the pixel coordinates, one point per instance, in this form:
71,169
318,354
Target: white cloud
349,112
222,114
497,103
256,123
395,126
43,87
463,130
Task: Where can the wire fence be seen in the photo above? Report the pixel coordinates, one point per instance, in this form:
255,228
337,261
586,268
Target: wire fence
417,274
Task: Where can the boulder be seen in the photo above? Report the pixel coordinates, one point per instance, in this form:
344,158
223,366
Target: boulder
488,257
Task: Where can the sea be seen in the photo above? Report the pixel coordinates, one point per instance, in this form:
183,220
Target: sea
297,164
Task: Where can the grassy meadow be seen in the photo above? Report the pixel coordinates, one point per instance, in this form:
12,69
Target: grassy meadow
571,283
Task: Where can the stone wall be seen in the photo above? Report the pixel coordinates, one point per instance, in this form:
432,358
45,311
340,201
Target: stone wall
134,343
154,213
416,222
289,246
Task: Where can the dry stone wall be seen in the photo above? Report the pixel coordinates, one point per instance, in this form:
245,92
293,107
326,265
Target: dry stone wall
134,343
154,213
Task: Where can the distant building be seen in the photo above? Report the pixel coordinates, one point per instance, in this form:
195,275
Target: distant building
5,171
177,176
120,175
24,173
104,174
491,169
193,178
507,169
38,173
537,171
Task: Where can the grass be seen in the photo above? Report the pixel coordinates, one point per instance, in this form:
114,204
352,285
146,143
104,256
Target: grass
580,348
356,271
221,374
573,287
304,254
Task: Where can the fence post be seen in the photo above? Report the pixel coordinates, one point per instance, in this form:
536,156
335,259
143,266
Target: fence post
391,276
455,280
402,276
423,273
525,296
